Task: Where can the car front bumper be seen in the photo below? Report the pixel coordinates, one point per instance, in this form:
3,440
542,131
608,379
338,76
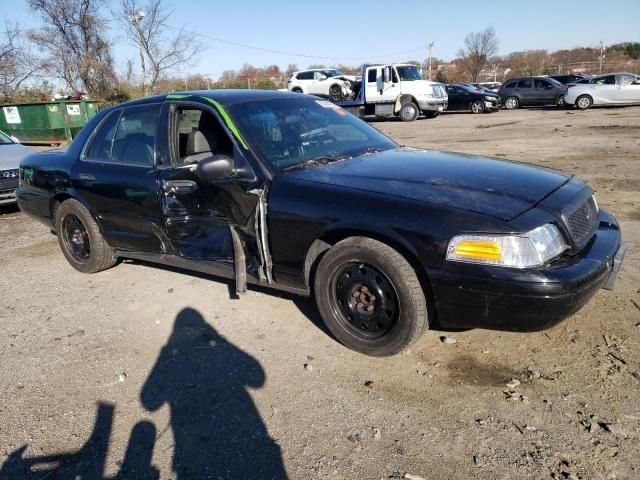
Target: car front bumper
8,188
433,105
470,296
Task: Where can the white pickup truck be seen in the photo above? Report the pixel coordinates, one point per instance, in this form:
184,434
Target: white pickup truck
396,90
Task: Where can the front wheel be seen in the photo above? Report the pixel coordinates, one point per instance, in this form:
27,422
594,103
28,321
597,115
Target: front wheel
409,112
80,239
560,101
477,107
335,93
583,102
370,297
511,103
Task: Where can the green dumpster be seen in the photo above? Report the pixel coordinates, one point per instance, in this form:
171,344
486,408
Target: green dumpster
46,122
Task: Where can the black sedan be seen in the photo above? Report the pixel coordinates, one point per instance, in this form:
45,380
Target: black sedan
292,192
467,99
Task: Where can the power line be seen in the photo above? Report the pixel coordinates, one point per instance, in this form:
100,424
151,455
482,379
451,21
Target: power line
292,54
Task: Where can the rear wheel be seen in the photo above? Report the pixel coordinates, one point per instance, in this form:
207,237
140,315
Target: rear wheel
584,101
80,239
370,297
477,107
511,103
335,93
408,112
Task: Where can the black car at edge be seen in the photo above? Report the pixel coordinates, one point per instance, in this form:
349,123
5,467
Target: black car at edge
292,192
466,99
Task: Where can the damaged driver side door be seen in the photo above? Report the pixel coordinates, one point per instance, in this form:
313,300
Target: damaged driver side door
212,199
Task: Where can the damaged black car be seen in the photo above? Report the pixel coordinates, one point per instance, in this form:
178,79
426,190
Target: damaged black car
291,192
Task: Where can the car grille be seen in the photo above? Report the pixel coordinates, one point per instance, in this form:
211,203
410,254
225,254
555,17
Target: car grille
582,222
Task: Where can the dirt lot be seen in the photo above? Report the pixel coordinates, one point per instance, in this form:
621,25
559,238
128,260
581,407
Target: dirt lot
110,376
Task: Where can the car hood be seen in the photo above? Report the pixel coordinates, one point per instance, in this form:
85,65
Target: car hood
499,188
10,155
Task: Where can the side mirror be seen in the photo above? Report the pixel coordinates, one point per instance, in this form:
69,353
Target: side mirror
215,167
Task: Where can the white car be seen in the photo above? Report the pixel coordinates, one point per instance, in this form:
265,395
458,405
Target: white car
11,152
322,82
609,89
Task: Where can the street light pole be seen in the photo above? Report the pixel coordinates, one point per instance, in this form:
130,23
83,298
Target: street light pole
430,46
601,55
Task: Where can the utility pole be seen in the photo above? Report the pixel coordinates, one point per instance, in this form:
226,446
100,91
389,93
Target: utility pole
135,19
430,46
601,55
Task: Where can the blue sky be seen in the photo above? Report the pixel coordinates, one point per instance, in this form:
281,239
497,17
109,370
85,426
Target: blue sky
356,31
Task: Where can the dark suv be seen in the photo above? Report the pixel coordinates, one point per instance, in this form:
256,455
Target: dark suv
567,79
529,91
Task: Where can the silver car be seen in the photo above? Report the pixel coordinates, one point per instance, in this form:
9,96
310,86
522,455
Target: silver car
609,89
11,152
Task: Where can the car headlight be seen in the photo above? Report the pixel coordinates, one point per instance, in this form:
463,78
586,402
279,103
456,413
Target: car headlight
530,249
490,99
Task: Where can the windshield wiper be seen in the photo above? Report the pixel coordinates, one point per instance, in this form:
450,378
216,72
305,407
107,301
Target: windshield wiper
324,160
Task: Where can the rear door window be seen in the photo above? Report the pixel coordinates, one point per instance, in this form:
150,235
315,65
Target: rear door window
524,83
606,80
134,141
100,148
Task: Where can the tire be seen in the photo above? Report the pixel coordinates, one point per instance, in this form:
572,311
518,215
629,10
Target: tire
431,114
560,102
370,298
511,103
80,239
408,112
583,102
296,90
335,93
477,107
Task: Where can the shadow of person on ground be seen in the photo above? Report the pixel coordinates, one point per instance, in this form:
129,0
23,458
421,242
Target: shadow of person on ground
217,429
89,462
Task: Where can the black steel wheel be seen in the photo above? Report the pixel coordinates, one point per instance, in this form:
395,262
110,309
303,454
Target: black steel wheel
80,239
75,238
366,299
370,297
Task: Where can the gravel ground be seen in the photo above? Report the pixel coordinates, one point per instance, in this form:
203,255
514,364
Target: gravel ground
147,372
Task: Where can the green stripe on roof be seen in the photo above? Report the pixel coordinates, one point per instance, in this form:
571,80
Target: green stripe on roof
228,121
177,96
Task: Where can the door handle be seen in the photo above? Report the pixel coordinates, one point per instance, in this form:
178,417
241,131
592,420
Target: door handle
180,187
87,177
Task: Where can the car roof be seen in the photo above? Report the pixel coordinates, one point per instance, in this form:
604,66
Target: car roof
225,97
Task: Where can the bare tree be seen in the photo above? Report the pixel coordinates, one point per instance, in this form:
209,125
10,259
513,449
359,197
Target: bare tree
478,47
530,62
17,62
161,53
74,39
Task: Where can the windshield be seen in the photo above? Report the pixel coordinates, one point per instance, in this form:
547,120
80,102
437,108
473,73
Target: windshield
289,132
5,140
555,82
332,73
408,73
